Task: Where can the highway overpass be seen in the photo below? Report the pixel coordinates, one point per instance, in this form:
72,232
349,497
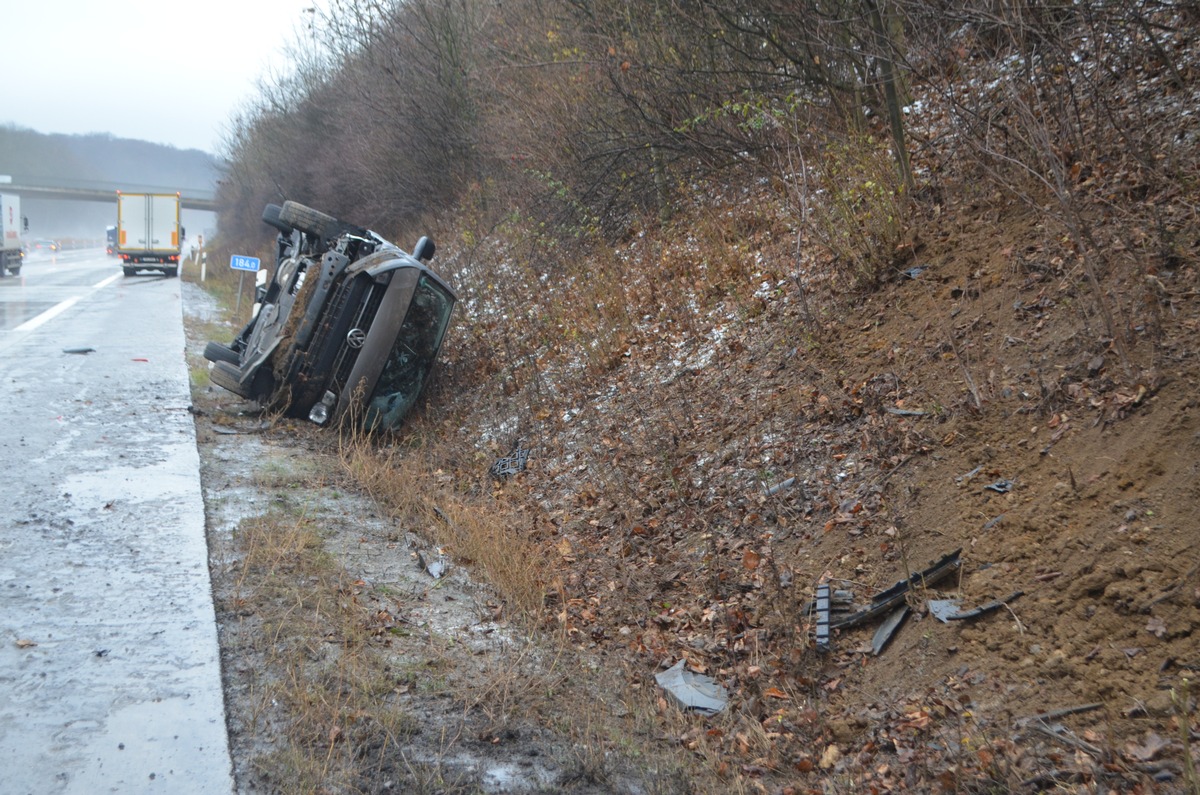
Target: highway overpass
189,199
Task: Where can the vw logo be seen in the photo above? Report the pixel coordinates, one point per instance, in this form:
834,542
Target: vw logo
356,337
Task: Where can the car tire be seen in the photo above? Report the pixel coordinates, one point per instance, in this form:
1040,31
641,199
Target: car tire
310,221
225,375
217,352
270,217
130,271
172,272
15,271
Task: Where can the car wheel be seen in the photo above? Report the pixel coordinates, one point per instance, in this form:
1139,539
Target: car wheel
129,271
172,272
225,375
15,271
309,221
271,216
216,352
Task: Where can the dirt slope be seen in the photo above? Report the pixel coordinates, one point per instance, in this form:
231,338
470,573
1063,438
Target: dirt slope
886,420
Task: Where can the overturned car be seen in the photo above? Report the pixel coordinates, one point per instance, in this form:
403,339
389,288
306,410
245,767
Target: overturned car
348,327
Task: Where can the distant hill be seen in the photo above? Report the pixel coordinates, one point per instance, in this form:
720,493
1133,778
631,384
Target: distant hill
101,161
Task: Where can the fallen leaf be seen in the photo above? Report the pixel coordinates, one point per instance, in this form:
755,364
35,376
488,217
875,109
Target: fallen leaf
751,559
775,692
25,643
830,757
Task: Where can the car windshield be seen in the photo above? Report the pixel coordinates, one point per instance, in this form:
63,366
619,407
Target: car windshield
411,357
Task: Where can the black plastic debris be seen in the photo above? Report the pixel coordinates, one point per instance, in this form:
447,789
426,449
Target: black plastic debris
822,609
887,629
79,350
886,601
1000,486
947,610
511,464
693,692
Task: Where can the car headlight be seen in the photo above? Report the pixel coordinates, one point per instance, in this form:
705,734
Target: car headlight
320,412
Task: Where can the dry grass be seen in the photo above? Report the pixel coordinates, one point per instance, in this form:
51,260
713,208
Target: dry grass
476,529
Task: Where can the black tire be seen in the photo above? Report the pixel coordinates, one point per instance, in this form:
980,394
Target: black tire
270,216
310,221
130,271
171,272
15,271
216,352
225,376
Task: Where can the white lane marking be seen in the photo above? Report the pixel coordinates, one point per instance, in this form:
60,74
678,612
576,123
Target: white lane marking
49,314
58,309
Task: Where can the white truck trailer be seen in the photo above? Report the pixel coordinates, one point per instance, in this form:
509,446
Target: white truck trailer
12,253
148,232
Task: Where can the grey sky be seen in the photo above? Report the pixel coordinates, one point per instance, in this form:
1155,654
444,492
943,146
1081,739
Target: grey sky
161,71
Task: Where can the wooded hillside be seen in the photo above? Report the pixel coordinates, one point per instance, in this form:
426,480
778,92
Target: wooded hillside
780,294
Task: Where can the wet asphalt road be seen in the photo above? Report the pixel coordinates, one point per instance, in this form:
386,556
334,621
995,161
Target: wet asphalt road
109,664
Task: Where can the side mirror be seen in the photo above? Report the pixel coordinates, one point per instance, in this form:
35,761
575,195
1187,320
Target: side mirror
424,249
25,222
182,233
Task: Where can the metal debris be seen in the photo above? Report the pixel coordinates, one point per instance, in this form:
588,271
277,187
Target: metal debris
693,692
511,464
1000,486
79,350
887,629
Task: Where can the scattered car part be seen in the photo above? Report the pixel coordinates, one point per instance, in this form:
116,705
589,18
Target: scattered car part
1000,486
823,605
436,565
885,601
947,610
693,692
887,629
511,464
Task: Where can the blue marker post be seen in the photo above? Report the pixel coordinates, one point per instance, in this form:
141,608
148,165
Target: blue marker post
242,263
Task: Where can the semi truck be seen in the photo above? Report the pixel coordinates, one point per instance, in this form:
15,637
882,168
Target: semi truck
149,236
12,254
